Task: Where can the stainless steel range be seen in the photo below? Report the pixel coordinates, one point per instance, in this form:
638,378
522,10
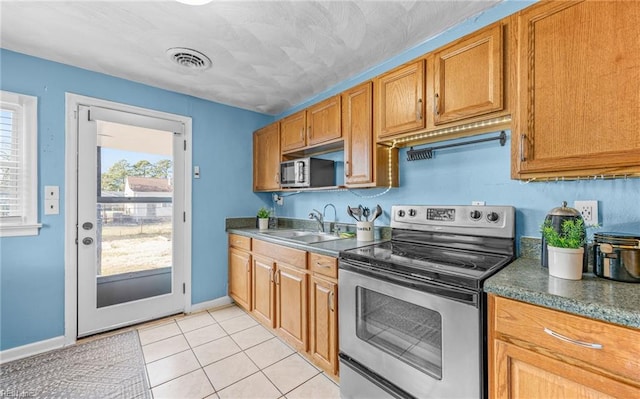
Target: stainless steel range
412,311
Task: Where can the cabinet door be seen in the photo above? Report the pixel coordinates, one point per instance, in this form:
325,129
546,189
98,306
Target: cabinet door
468,76
526,374
323,120
399,100
323,333
357,122
266,158
262,290
579,89
293,134
291,303
240,277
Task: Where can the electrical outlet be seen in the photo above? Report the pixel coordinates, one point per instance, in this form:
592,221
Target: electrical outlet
278,199
588,210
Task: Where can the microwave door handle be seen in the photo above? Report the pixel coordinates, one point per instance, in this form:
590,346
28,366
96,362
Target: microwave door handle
300,172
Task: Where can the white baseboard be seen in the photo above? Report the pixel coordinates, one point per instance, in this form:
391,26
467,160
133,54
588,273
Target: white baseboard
215,303
31,349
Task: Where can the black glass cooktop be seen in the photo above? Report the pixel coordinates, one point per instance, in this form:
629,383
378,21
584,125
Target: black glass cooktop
456,266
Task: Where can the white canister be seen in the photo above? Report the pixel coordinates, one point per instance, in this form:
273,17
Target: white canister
263,223
364,231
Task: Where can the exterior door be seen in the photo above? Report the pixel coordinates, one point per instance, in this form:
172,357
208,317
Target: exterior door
130,218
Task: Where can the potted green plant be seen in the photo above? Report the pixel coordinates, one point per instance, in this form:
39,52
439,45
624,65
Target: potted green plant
263,218
565,248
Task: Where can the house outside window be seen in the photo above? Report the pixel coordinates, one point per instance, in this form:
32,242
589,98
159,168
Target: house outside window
18,165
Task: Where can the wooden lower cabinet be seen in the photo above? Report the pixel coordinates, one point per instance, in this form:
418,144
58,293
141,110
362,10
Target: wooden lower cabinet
323,323
240,270
263,290
535,352
291,305
240,277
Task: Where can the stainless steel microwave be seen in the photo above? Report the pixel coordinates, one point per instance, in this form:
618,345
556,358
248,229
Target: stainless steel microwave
307,172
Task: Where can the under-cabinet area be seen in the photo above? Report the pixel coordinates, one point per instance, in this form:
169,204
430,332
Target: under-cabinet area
292,291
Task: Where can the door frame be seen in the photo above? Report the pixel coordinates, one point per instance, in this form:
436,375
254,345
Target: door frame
72,101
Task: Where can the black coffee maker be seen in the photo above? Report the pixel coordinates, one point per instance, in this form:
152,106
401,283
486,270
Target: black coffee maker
556,217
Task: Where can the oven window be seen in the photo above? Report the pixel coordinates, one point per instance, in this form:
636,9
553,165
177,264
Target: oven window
406,331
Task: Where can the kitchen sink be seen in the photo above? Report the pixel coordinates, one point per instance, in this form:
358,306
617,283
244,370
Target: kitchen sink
305,236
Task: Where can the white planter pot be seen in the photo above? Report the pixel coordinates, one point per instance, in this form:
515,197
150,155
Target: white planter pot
263,223
565,262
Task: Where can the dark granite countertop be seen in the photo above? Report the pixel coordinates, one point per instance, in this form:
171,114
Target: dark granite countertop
611,301
245,227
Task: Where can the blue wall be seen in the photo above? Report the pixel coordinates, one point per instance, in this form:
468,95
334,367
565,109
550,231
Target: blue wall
32,268
478,172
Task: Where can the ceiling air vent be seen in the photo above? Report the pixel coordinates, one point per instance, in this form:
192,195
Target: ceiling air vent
189,58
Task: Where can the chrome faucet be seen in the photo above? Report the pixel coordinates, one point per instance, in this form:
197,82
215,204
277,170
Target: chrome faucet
335,213
315,214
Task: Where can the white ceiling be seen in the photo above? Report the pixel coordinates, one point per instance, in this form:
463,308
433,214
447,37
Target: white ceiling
267,55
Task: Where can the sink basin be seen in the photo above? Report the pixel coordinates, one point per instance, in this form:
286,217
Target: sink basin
308,237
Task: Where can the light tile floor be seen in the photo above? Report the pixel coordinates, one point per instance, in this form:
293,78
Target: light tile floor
225,353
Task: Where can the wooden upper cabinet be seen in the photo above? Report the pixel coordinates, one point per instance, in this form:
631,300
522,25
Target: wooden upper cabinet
357,125
323,121
399,100
293,131
266,158
366,164
578,111
468,76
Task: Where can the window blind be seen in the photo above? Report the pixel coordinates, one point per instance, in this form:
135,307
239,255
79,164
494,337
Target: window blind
12,173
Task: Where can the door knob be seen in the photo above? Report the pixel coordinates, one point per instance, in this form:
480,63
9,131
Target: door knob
87,225
87,241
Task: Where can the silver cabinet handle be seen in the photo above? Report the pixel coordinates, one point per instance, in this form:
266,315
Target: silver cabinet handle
436,104
347,168
331,295
320,264
87,241
419,110
523,137
302,133
572,341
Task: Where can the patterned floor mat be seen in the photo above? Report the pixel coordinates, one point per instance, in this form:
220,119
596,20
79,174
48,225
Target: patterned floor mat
110,367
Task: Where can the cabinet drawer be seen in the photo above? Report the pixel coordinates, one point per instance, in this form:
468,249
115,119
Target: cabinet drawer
290,256
557,334
322,264
239,241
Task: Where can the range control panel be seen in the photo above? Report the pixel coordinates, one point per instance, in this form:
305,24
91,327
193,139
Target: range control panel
485,220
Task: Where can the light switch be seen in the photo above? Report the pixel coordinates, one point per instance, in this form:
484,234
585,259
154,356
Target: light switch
51,206
196,172
51,192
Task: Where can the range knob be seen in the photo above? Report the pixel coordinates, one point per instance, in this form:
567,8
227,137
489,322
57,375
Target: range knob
412,212
475,215
493,217
401,213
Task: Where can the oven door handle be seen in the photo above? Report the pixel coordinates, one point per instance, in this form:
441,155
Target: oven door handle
423,283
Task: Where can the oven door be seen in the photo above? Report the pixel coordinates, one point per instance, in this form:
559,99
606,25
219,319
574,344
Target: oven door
413,334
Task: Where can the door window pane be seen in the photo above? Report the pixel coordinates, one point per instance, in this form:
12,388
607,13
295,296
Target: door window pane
134,251
404,330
